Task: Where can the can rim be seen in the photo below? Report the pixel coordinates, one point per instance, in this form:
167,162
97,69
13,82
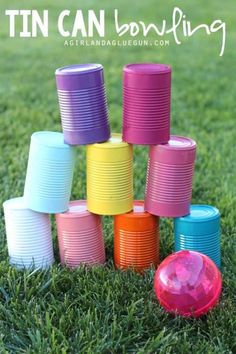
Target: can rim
74,69
115,141
76,208
178,142
51,139
209,213
18,203
147,68
138,211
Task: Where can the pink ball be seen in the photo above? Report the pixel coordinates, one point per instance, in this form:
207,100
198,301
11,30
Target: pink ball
187,283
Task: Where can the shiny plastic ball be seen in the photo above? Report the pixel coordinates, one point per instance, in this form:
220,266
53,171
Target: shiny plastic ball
187,283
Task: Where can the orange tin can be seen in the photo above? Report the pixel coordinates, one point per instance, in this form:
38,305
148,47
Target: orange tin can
136,239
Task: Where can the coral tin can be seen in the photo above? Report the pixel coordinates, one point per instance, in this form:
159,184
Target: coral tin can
110,177
146,103
136,239
199,231
29,238
49,173
80,236
83,103
169,177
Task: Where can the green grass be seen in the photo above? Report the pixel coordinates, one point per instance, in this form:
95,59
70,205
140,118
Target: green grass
101,310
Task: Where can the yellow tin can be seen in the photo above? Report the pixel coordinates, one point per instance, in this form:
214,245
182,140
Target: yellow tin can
110,177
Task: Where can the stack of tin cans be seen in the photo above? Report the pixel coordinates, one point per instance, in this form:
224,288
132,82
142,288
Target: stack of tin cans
146,121
109,158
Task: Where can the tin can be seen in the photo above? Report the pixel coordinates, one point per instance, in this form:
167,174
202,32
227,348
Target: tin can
29,238
49,173
169,177
80,236
199,231
83,104
136,239
110,177
146,103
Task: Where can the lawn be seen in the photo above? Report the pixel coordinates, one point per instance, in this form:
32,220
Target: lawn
101,310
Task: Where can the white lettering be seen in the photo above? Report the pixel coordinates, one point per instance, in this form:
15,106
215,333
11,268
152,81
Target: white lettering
31,22
79,24
120,29
147,28
37,22
214,29
179,23
175,24
93,22
25,18
60,23
12,14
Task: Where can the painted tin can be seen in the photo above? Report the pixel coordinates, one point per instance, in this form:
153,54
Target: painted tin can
83,103
169,177
29,238
136,239
49,173
200,231
110,177
146,103
80,236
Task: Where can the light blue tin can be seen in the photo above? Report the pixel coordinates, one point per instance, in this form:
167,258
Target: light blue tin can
49,173
199,231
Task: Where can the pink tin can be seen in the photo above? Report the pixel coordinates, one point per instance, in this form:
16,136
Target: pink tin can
80,236
146,103
169,177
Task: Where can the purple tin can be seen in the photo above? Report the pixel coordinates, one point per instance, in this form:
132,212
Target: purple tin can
83,104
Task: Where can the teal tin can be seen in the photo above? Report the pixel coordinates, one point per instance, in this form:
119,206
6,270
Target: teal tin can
49,173
199,231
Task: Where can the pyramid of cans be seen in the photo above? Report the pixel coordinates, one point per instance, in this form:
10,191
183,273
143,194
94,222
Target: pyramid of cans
109,160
